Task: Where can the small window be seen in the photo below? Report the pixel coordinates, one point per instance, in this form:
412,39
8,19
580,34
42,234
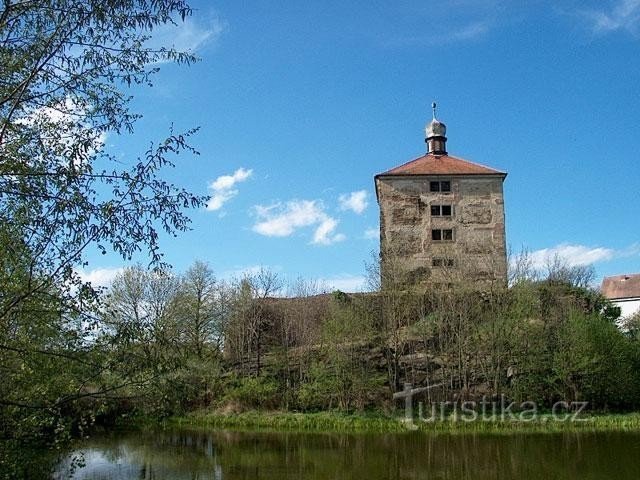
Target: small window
445,234
441,210
440,186
443,262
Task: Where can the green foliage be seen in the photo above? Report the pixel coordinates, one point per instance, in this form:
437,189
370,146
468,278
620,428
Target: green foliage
345,386
538,341
341,377
66,66
631,327
252,392
194,384
569,348
594,362
319,388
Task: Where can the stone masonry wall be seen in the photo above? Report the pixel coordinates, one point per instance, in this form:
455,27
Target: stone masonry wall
478,248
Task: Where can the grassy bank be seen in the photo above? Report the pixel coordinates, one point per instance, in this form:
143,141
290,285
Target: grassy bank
381,423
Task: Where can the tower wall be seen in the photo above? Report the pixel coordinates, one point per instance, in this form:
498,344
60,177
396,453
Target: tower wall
476,252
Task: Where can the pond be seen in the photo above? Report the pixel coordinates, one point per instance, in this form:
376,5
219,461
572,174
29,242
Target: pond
203,455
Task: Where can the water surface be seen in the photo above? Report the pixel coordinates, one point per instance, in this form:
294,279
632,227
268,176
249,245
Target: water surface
198,455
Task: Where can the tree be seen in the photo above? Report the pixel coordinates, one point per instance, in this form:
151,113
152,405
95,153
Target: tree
251,321
140,315
202,317
595,362
342,375
521,267
559,270
399,304
66,70
65,67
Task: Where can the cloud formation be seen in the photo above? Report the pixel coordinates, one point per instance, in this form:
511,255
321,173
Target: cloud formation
371,234
625,15
468,32
574,255
223,188
100,277
345,283
354,201
64,125
189,35
282,220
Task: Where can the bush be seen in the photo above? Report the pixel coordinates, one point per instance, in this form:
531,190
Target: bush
253,392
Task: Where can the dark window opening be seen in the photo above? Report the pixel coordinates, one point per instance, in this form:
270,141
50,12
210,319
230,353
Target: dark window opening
441,210
443,262
440,186
442,234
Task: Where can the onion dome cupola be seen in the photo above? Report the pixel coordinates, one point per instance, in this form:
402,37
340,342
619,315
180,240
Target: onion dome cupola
435,135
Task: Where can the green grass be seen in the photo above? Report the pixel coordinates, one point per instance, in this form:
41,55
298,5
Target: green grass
380,423
289,421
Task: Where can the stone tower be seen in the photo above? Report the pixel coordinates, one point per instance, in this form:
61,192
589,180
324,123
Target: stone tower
442,219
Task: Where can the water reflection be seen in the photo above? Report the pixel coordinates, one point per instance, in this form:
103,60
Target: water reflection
183,454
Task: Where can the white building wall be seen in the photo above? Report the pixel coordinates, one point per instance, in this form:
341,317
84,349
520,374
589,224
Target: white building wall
628,306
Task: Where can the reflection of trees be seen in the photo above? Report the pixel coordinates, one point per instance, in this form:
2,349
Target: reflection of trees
235,456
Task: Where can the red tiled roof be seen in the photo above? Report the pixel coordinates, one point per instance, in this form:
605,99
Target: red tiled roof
621,286
441,165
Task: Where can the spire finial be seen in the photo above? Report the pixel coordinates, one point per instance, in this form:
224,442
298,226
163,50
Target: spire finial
436,135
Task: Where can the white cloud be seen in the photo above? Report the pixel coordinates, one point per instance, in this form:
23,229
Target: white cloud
280,220
346,283
631,251
625,15
189,35
225,182
574,255
371,234
324,234
223,188
468,32
355,201
100,277
65,125
444,36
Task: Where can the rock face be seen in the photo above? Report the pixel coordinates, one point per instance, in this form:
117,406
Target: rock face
442,237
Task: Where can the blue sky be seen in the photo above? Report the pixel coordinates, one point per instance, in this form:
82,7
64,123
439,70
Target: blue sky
300,104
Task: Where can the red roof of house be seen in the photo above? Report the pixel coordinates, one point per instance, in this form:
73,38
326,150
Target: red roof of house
621,286
441,165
